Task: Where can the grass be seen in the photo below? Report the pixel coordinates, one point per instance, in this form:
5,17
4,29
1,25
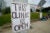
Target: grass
34,16
7,18
44,14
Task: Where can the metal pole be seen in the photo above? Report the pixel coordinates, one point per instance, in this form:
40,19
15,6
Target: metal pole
40,13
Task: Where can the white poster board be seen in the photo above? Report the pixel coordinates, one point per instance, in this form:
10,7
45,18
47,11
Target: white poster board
20,16
41,15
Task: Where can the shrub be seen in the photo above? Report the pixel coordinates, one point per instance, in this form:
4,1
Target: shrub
6,10
34,15
5,19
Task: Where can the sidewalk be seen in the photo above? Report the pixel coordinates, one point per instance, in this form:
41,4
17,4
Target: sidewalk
37,27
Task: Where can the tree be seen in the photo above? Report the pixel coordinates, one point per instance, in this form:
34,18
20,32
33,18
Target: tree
46,9
6,10
37,10
31,10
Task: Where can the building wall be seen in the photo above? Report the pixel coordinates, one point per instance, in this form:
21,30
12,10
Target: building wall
2,4
24,1
33,7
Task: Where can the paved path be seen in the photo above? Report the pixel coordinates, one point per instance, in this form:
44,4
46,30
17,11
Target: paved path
40,27
37,27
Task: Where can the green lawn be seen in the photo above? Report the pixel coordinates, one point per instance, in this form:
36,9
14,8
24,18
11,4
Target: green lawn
7,18
34,16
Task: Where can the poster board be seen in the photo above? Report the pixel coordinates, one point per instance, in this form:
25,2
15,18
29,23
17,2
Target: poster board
20,16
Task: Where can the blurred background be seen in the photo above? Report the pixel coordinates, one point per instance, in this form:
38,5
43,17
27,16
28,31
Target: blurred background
35,9
5,16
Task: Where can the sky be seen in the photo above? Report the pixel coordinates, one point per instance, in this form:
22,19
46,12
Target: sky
47,3
32,2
